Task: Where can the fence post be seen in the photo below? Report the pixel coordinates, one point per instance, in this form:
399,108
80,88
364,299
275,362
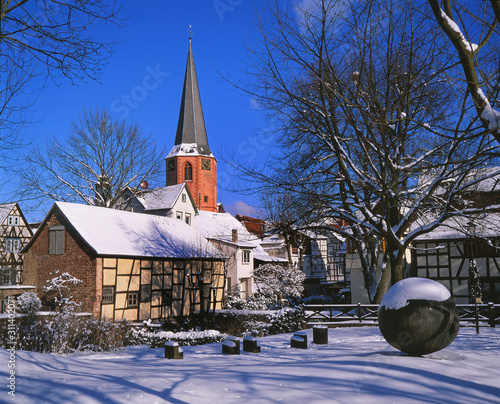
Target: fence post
492,314
359,311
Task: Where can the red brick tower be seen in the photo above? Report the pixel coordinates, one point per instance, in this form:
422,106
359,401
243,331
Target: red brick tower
191,160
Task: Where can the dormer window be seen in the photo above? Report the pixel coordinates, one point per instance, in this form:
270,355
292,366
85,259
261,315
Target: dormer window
183,197
188,172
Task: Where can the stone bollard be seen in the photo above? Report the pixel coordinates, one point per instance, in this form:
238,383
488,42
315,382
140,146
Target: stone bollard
320,334
231,346
173,351
250,344
299,340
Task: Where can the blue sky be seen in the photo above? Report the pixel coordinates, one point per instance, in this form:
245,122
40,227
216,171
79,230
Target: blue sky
142,81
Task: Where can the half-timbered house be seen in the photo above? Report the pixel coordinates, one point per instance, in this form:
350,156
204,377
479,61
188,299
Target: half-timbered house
132,266
445,255
14,234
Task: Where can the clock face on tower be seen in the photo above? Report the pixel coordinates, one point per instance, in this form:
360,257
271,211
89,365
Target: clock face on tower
206,164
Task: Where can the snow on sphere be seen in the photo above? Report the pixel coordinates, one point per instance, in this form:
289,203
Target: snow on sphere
401,292
418,316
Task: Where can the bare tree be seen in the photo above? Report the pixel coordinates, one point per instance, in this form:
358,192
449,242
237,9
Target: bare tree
360,97
472,29
47,40
100,159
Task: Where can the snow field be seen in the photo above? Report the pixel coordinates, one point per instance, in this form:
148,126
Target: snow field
357,366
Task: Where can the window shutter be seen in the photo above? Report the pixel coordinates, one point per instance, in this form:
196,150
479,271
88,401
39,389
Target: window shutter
52,241
56,240
60,242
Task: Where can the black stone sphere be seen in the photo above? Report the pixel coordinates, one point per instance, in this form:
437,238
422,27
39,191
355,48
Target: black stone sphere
420,327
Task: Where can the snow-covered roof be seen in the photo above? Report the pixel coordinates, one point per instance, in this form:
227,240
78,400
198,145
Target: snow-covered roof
5,209
219,226
120,233
488,179
160,198
268,258
486,226
187,149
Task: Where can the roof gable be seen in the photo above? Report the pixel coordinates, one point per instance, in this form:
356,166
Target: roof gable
164,198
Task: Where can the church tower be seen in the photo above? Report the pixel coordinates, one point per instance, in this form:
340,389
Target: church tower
191,160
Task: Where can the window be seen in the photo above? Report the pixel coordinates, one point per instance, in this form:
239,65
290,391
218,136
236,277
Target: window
145,293
171,165
5,278
205,198
12,245
179,215
13,220
187,218
188,172
183,197
56,240
132,299
108,295
166,297
245,257
206,164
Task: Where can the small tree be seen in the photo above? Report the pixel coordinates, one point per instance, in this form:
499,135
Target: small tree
62,287
100,160
277,282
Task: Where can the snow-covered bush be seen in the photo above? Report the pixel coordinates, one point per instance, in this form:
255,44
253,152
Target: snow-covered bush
283,321
28,303
256,323
157,339
65,333
277,282
254,302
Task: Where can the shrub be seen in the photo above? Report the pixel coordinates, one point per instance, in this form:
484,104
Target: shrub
157,339
28,303
276,282
64,333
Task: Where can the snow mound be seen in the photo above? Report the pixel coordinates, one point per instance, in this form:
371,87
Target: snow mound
403,291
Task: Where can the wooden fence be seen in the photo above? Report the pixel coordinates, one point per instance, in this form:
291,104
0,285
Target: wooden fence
339,315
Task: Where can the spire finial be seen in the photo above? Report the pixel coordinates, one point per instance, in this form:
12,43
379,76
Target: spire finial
190,32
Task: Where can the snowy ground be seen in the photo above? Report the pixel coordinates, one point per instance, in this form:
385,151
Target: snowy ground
357,366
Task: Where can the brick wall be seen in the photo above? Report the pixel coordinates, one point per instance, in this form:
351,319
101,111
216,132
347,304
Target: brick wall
40,266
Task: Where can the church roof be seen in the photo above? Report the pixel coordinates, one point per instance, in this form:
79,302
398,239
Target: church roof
191,137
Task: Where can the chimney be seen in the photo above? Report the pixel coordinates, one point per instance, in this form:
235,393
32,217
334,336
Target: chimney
235,235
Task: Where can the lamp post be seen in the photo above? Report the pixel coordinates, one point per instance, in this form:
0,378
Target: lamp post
473,282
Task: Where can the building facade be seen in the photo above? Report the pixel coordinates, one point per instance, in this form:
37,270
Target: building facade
132,266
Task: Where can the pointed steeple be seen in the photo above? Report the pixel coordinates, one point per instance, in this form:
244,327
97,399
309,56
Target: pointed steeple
191,126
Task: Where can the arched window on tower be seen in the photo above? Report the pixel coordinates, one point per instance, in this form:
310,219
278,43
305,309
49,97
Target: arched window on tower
188,172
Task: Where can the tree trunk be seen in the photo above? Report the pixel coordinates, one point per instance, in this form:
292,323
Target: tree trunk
384,283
